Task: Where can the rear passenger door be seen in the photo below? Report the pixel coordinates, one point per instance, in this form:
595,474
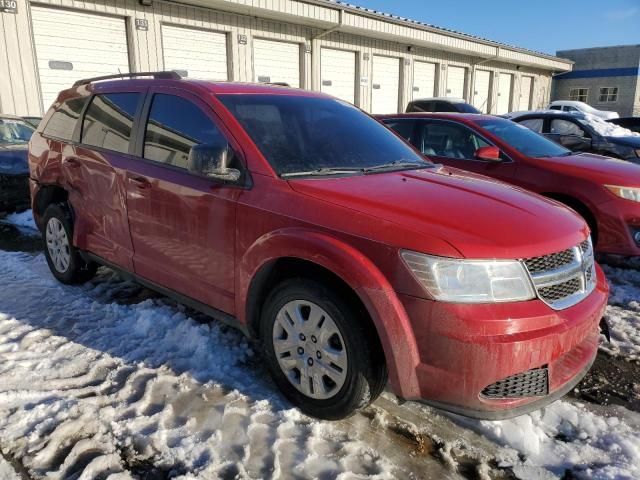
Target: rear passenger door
95,169
182,225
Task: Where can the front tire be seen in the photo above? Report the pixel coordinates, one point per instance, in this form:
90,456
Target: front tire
63,258
319,350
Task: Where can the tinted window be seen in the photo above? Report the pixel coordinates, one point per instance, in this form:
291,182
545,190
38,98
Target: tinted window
466,108
534,124
108,121
299,133
14,131
404,128
555,107
174,126
444,107
565,127
63,121
420,106
451,140
522,139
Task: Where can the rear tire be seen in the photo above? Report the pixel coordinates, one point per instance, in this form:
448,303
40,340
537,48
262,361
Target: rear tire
63,258
321,351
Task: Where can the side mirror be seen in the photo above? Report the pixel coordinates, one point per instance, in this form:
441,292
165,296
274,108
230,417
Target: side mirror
491,154
212,161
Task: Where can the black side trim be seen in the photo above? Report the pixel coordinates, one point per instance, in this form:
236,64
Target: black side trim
513,412
178,297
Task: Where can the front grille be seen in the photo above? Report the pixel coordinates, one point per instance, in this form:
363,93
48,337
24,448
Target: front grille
533,383
563,279
560,290
549,262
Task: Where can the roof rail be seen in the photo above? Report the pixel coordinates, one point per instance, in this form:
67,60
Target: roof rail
171,75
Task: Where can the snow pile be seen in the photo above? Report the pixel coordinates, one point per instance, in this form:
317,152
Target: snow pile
566,437
623,312
22,220
604,128
95,387
6,471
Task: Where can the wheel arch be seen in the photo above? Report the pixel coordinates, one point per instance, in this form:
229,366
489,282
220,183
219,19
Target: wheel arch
46,195
584,210
291,252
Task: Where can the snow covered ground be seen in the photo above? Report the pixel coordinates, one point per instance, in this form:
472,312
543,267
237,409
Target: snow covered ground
108,380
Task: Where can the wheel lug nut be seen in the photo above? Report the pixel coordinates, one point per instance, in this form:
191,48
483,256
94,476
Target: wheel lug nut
314,339
302,337
318,355
300,350
310,361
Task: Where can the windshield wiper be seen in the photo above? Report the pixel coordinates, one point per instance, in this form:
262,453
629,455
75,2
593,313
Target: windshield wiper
319,172
397,165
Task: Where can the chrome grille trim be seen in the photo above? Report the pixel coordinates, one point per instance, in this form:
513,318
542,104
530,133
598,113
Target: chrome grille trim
563,279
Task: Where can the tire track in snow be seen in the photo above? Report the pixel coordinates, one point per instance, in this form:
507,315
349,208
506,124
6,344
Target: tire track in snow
90,387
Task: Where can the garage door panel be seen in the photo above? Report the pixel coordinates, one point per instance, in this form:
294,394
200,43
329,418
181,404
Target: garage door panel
456,77
505,87
385,85
525,93
481,90
200,53
57,34
338,73
424,80
276,61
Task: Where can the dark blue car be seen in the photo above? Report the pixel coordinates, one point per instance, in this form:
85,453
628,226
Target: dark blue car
14,169
584,133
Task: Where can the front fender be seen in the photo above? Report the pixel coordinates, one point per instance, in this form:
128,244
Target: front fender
357,271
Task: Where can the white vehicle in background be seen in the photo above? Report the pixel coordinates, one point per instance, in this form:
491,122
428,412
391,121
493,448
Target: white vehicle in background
574,106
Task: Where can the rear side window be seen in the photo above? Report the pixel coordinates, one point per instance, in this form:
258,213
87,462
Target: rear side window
404,128
444,107
109,120
534,124
63,121
175,125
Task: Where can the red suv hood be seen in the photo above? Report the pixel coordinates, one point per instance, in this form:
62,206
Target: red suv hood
604,170
478,216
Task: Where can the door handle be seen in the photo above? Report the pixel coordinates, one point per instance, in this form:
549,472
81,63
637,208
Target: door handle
72,162
140,182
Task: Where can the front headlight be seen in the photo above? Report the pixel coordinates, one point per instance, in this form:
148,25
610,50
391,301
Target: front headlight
470,281
628,193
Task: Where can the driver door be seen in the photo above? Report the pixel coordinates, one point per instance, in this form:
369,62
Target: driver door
455,145
182,225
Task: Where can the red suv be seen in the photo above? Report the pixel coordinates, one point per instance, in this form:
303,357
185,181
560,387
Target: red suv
605,191
322,235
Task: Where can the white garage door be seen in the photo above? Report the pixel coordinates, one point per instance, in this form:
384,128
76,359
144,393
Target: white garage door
455,82
338,74
275,61
385,85
481,88
73,45
424,80
196,53
505,85
525,93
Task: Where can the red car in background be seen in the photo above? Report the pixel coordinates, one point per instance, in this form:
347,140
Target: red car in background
605,191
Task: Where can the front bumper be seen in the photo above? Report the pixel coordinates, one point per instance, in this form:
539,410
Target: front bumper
465,348
14,192
617,220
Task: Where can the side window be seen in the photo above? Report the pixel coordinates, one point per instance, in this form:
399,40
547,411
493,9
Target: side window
444,107
534,124
63,121
569,108
404,128
555,107
450,140
174,126
565,127
109,120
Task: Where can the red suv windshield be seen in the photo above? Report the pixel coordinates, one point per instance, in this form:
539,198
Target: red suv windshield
302,134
